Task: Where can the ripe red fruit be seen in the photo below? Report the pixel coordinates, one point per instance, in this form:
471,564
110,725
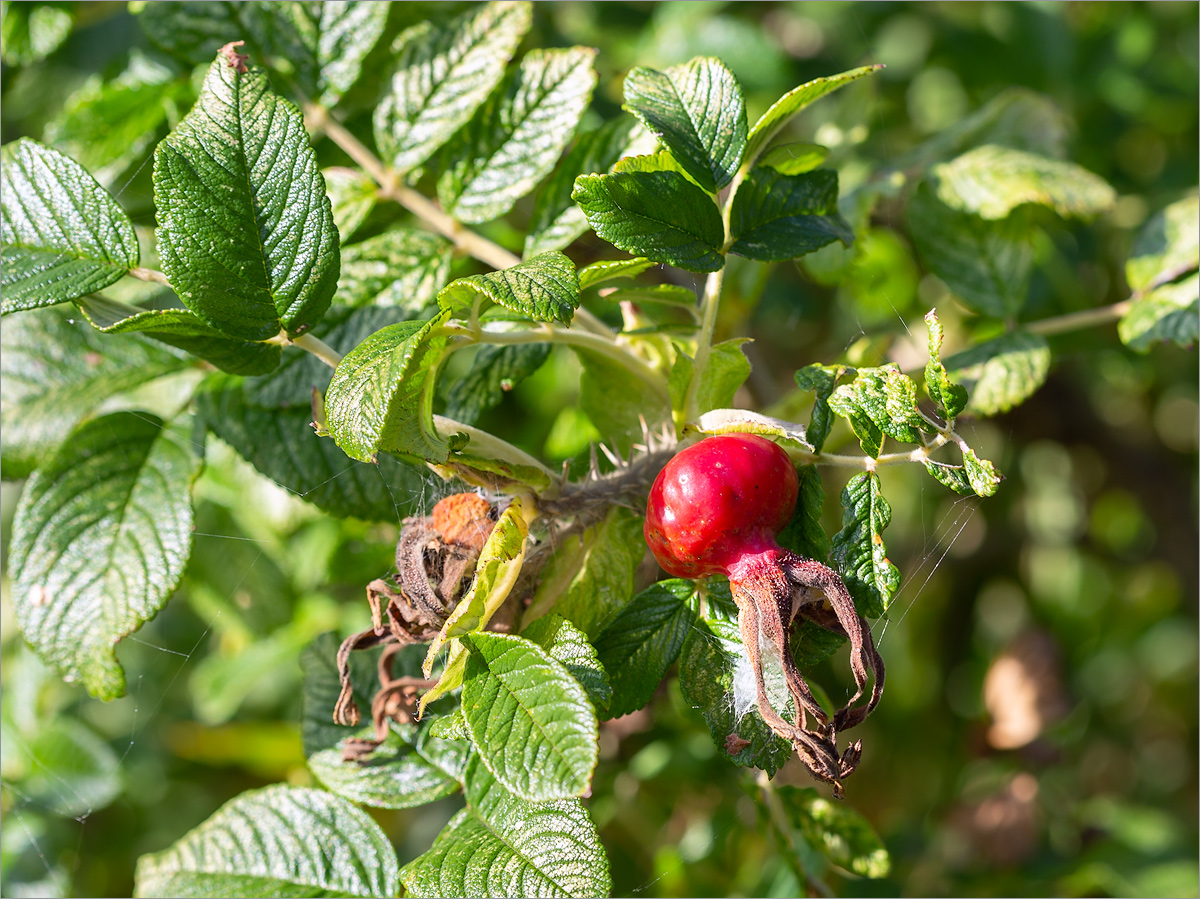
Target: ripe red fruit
715,509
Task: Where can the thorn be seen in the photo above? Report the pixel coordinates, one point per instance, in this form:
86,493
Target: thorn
595,466
613,456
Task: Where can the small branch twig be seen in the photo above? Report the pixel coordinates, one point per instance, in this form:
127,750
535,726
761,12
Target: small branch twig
1073,321
310,344
149,274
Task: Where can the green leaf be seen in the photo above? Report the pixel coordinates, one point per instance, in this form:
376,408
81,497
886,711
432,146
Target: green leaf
952,476
30,32
1168,246
616,400
777,216
1168,313
495,371
54,371
497,570
660,294
545,288
659,215
698,111
791,103
379,398
643,640
443,73
991,181
61,234
858,550
726,371
1001,373
277,841
246,232
502,846
556,221
981,474
401,267
811,644
804,534
517,137
821,379
662,161
612,269
64,767
182,329
589,579
795,159
532,722
352,196
950,398
715,677
191,31
569,645
986,264
838,832
101,535
880,401
280,443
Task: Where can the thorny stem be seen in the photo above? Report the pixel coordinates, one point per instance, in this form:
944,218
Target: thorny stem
783,827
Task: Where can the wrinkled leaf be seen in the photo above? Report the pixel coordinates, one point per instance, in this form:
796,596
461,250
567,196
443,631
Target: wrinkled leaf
352,196
1001,373
879,401
1169,313
777,216
545,288
858,551
494,372
569,645
401,267
951,398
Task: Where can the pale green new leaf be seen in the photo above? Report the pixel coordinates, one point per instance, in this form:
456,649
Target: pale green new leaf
54,371
246,232
378,399
545,288
1001,373
503,846
1167,247
352,195
777,216
100,539
795,159
986,264
61,234
698,112
991,181
569,645
277,841
517,137
1169,313
662,161
611,270
659,215
531,721
858,551
838,832
443,73
496,571
791,103
401,267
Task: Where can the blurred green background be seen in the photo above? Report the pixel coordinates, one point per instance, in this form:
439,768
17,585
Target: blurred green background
1039,731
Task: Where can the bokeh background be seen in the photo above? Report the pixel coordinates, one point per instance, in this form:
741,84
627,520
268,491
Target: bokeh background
1039,731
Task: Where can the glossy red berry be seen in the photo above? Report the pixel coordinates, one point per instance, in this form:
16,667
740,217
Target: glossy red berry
718,502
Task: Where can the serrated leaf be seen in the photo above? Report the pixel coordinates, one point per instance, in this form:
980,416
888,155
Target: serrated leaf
100,539
643,640
401,267
556,220
502,846
986,264
499,564
589,579
777,216
791,103
698,111
54,371
616,400
495,371
981,474
858,551
246,232
352,196
517,137
192,30
659,215
838,832
569,645
880,401
804,534
443,73
732,421
61,234
1001,373
612,269
545,288
716,678
951,398
182,329
378,398
795,159
277,841
30,32
726,371
991,181
821,379
532,722
1169,313
1167,246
